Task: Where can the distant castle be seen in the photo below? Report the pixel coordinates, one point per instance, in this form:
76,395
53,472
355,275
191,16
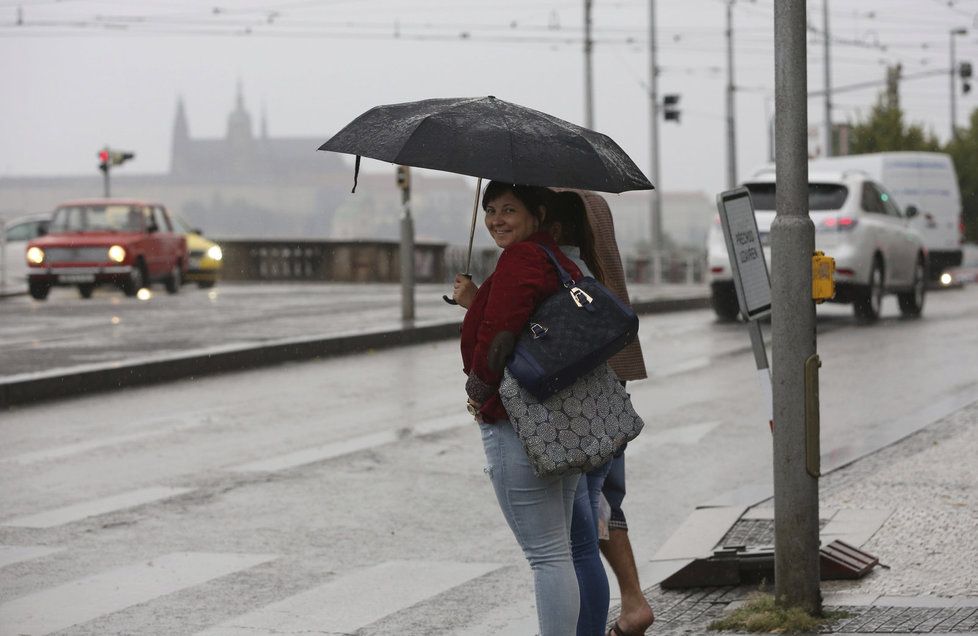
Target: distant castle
242,157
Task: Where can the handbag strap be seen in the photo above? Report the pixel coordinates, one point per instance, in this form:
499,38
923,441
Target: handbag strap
565,278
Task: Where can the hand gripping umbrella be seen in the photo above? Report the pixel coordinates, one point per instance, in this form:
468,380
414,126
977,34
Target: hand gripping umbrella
489,138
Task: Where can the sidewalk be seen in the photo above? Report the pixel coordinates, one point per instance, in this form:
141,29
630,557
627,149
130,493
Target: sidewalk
65,345
914,505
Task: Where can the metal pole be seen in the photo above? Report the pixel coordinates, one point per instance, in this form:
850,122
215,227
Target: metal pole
954,97
828,82
588,76
655,196
796,571
731,135
407,254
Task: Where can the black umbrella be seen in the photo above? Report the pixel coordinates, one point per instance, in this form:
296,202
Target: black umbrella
490,138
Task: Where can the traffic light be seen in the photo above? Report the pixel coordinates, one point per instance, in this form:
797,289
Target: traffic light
103,160
121,157
670,107
404,178
964,72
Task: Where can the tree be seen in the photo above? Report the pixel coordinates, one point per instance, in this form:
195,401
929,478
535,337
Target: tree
964,151
884,130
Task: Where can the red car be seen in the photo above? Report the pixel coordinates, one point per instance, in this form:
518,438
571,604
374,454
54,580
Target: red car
124,242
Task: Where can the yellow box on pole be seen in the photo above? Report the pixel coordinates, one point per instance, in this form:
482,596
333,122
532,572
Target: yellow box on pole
823,282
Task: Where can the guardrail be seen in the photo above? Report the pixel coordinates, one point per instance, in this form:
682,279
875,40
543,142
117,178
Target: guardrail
334,261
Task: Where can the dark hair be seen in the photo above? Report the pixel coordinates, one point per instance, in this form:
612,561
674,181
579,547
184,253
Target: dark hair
533,197
567,208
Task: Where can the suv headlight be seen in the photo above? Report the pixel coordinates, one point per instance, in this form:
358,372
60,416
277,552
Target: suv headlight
35,255
117,253
214,252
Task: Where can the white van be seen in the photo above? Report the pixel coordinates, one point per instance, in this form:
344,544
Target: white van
922,180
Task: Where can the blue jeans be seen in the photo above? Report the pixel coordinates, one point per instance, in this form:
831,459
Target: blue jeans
538,512
591,576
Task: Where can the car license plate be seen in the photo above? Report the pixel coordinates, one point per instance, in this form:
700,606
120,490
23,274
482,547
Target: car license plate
76,278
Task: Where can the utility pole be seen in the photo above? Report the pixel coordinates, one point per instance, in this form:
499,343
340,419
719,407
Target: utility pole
731,138
795,362
954,97
828,82
407,244
588,72
655,196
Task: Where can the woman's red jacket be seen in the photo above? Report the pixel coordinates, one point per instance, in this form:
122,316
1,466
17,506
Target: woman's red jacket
523,278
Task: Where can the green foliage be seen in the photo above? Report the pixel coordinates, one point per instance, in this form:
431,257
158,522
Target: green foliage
762,614
884,130
964,151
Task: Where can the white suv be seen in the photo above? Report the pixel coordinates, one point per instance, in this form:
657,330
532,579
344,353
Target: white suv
858,224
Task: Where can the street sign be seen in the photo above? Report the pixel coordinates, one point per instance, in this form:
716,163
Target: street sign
747,261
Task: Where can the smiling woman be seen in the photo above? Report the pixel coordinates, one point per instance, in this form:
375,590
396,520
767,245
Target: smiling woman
537,509
513,213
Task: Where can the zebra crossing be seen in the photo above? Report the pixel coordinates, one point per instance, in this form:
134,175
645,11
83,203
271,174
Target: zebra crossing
345,604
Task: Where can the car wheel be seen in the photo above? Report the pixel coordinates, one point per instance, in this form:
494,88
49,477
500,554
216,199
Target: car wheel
85,291
39,291
135,282
724,302
870,300
174,280
912,301
206,284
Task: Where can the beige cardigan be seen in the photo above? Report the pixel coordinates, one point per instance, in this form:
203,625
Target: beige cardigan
628,363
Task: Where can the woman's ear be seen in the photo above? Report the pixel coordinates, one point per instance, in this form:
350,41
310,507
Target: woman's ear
543,215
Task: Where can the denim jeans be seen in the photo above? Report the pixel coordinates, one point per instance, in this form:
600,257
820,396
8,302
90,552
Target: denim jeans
538,512
591,576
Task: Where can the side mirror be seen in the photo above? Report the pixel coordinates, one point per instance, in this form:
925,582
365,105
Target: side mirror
198,231
152,228
42,230
911,211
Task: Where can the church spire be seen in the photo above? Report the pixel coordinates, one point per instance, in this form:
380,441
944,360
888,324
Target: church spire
180,140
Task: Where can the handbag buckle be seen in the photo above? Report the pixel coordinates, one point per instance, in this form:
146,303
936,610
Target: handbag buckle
538,330
576,293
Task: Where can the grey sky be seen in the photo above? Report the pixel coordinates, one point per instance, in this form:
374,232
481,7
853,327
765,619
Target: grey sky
82,73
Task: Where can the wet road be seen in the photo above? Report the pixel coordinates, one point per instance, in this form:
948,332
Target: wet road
348,494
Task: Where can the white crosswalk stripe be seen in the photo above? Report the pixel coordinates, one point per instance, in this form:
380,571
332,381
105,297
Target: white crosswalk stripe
85,509
346,447
10,554
354,600
94,596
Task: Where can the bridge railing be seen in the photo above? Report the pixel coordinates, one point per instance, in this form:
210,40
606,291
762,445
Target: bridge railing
333,261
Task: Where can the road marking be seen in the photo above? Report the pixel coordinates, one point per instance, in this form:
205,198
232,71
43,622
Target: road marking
68,450
78,511
10,554
353,445
354,600
89,598
689,434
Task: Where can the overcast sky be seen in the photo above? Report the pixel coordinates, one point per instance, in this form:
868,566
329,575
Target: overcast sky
79,74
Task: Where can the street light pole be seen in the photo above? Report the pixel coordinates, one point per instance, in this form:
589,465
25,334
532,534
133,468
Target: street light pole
828,81
655,196
588,73
796,559
731,136
954,97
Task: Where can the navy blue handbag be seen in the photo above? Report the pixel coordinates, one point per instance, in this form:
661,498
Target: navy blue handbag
569,334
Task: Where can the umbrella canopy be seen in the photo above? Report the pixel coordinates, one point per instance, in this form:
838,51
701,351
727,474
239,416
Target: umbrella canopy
490,138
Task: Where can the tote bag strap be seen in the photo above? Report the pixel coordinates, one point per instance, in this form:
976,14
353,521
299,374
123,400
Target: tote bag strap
565,278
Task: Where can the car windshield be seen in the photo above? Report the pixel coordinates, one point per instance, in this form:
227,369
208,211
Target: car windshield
821,196
95,218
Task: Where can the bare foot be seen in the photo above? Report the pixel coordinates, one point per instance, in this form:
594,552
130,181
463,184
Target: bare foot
635,621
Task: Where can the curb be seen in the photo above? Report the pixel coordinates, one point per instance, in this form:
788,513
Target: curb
47,385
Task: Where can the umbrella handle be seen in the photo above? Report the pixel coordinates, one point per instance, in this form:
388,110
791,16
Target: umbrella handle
448,299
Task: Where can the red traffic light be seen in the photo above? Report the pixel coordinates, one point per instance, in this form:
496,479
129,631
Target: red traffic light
103,156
